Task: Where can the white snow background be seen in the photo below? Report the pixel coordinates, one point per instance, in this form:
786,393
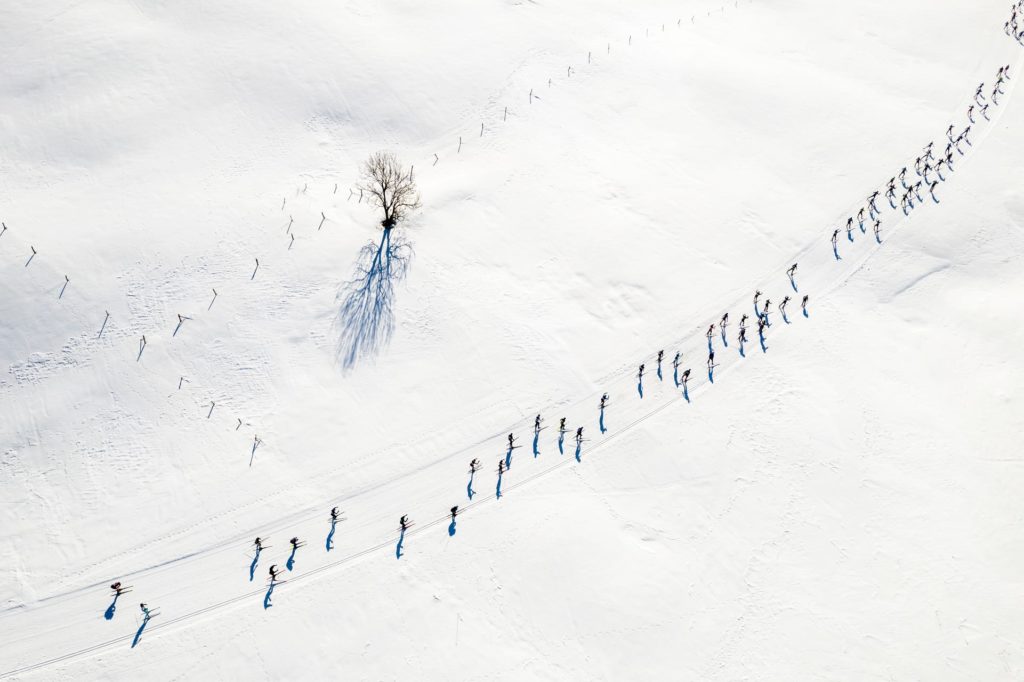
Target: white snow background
843,506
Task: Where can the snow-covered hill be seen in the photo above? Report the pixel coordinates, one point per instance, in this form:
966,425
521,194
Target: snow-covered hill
600,181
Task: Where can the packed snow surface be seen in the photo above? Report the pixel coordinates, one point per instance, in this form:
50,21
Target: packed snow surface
205,337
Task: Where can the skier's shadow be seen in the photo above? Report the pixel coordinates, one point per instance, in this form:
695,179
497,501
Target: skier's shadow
578,446
451,528
659,372
497,489
109,613
536,439
252,566
600,422
330,536
398,547
138,633
469,486
366,317
764,348
640,388
290,564
268,595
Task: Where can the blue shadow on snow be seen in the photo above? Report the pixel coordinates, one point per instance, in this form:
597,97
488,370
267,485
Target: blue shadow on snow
268,595
252,566
330,537
109,613
138,633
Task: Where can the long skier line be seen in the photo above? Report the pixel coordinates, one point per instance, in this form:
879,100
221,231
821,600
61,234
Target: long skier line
421,528
310,511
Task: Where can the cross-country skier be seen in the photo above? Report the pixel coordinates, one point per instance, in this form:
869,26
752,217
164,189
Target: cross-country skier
475,464
917,191
890,194
710,333
917,166
561,425
792,268
259,544
273,573
835,246
984,112
928,151
579,435
334,515
604,400
931,190
860,219
849,229
757,295
970,113
294,543
764,313
536,424
782,307
403,522
640,372
511,439
949,132
872,207
711,360
878,228
116,587
803,305
903,177
454,510
145,611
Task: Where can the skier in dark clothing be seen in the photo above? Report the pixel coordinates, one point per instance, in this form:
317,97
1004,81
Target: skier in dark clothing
273,573
579,435
849,229
536,424
403,522
803,306
782,308
259,544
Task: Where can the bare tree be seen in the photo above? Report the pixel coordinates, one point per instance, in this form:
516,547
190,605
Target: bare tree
389,187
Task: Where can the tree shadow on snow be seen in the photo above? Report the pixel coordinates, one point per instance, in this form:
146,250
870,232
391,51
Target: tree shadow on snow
366,317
